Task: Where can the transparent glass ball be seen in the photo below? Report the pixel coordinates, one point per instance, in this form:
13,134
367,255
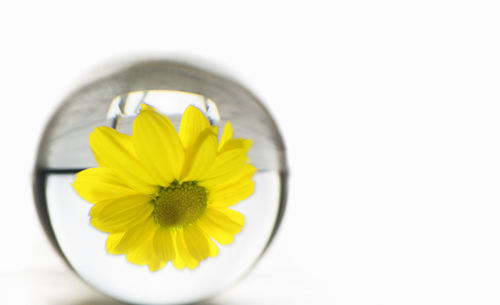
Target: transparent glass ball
113,99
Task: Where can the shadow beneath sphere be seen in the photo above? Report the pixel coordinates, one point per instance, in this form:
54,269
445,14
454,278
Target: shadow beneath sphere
106,301
95,301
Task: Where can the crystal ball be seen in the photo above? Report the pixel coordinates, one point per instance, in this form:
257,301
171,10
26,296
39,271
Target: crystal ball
112,101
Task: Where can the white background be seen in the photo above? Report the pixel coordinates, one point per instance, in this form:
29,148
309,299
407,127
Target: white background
390,113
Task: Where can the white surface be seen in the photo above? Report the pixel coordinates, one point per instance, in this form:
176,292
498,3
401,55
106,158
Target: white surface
390,111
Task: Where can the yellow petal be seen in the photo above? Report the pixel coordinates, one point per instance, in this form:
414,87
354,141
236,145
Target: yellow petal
198,243
163,243
145,106
214,250
193,122
183,257
244,144
142,254
158,146
246,173
225,166
118,214
221,224
178,263
98,184
227,135
145,255
205,150
135,236
112,241
155,263
115,151
228,194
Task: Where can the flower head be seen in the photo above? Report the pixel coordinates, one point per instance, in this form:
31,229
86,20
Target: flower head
166,196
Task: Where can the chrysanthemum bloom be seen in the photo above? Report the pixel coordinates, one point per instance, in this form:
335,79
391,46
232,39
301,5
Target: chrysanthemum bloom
164,196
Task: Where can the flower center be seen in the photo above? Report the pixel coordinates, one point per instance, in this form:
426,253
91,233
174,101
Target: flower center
179,204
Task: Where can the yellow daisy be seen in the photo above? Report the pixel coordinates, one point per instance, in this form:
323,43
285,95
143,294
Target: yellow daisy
165,196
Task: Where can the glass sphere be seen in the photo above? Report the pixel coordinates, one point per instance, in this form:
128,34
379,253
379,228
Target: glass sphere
113,99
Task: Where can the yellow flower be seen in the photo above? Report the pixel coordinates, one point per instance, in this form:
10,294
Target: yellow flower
164,196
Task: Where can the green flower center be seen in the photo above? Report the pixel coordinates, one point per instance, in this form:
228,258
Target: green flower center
179,204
